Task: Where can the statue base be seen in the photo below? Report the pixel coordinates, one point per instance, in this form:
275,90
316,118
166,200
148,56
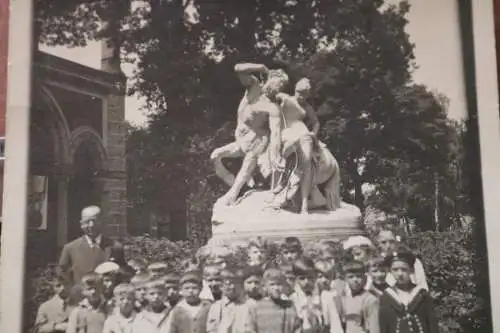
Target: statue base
251,218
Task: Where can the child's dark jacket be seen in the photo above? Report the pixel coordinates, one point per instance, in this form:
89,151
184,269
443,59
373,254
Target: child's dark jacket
418,316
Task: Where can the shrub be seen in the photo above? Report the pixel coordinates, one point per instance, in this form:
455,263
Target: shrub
454,274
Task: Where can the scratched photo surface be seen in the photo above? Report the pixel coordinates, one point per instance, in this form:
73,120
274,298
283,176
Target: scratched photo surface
269,166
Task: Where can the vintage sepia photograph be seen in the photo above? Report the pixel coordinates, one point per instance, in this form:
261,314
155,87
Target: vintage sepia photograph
250,166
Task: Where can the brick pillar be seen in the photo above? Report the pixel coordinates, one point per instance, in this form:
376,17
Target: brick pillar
115,183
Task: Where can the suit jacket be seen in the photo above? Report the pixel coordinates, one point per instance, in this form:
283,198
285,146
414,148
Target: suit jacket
79,258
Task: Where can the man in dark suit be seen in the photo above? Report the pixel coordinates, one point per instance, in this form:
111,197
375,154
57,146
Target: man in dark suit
84,254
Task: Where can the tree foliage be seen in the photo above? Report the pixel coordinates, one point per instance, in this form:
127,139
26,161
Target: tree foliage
384,129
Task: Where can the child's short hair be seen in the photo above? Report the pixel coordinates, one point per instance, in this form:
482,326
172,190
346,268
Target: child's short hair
325,268
249,271
232,273
91,280
273,274
286,268
354,267
172,278
212,271
292,244
124,289
303,266
192,277
377,262
157,267
155,283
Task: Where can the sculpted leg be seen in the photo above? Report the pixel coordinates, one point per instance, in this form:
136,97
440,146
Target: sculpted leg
244,175
306,149
332,187
231,150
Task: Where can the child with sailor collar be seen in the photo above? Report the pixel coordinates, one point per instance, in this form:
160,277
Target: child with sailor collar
406,307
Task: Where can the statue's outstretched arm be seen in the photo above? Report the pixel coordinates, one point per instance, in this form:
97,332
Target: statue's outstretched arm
312,119
249,68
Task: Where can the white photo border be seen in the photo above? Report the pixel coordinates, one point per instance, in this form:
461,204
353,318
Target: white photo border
16,166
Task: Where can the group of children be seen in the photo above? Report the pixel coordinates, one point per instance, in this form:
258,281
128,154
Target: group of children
366,290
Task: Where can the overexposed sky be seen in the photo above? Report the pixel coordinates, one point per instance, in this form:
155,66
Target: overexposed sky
433,27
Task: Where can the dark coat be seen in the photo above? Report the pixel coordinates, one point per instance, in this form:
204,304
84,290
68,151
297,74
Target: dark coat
79,258
418,317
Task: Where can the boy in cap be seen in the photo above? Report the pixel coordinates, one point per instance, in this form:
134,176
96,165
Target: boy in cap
172,288
212,283
154,318
157,269
377,272
53,314
306,297
89,316
273,313
325,273
252,276
139,282
291,249
230,313
406,307
289,286
122,318
109,273
255,253
360,308
190,314
359,248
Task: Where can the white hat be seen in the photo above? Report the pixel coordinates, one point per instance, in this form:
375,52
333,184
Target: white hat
107,267
357,241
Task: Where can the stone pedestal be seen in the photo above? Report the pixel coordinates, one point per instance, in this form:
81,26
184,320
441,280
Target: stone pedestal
248,219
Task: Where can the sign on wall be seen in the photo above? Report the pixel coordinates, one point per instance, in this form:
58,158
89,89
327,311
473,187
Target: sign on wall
37,202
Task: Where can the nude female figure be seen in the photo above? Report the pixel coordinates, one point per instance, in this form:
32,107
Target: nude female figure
296,136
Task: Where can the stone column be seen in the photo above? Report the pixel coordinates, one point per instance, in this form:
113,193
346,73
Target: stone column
110,56
62,210
115,184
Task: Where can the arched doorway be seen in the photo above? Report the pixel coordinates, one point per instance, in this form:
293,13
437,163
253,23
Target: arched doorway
85,187
42,209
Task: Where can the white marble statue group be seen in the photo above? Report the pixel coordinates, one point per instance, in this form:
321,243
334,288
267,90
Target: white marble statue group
276,135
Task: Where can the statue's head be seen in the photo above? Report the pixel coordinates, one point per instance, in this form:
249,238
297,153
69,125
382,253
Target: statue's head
276,82
303,89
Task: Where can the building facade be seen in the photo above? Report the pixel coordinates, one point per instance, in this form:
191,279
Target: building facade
77,149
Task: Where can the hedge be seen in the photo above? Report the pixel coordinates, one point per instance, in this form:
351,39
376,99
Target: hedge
450,259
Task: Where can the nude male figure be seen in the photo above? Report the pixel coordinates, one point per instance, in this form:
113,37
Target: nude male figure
258,125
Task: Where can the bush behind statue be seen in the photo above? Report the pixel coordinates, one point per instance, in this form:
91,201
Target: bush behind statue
449,260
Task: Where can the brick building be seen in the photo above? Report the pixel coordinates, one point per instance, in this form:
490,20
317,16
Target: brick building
77,148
